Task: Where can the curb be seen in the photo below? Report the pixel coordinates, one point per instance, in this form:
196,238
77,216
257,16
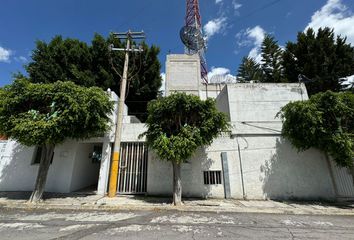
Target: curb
127,207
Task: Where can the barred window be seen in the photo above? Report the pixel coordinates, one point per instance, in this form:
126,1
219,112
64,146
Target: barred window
212,177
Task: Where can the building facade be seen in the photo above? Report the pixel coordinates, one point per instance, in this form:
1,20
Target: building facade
252,161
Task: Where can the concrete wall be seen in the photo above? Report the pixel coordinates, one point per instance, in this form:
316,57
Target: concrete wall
182,73
160,176
205,159
273,169
267,164
85,172
17,173
72,169
253,106
131,132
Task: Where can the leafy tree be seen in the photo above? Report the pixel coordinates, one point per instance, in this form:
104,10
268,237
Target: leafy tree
322,57
272,61
91,65
177,126
326,122
249,70
48,114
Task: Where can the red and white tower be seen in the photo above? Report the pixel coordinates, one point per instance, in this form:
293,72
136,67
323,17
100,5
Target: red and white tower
192,36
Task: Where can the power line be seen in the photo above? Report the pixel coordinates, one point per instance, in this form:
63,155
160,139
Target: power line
265,6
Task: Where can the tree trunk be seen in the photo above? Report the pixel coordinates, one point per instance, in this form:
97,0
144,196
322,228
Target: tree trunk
46,157
177,184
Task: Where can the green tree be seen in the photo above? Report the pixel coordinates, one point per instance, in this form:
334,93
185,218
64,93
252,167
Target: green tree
47,114
249,70
91,65
177,126
322,57
272,61
325,122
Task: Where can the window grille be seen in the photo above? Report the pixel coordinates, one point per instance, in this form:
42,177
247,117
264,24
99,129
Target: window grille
212,177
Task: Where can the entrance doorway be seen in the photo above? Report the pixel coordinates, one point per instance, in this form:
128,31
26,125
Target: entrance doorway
132,175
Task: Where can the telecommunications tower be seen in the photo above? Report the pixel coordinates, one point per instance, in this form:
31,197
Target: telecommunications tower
192,36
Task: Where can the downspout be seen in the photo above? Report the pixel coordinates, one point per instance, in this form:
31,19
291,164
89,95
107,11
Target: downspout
241,169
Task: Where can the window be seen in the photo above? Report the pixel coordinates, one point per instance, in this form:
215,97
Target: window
212,177
37,156
97,154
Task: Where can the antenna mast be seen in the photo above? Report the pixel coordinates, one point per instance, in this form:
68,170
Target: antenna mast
192,36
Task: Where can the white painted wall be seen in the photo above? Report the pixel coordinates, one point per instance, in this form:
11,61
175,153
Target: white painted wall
159,180
160,175
273,169
71,169
182,73
84,173
252,107
17,173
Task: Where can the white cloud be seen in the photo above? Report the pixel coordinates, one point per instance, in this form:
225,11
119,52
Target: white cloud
255,53
5,54
218,1
220,75
334,14
252,37
257,34
21,59
236,6
215,26
348,81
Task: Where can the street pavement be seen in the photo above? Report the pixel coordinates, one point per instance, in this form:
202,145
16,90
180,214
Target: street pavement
161,224
81,201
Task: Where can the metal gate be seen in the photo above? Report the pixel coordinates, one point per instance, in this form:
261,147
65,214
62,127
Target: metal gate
132,168
344,181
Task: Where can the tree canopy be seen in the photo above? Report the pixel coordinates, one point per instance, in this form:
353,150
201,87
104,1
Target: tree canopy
249,70
48,114
271,63
326,122
180,123
91,65
36,114
177,125
320,56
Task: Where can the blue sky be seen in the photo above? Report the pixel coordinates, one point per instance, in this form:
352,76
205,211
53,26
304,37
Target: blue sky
235,28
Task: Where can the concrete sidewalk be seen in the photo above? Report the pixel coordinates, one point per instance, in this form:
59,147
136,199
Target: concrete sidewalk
95,202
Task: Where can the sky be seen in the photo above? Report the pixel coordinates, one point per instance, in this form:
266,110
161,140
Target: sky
233,28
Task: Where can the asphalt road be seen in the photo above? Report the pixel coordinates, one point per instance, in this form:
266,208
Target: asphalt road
78,224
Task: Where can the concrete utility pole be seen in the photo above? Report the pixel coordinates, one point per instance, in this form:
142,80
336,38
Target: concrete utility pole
115,159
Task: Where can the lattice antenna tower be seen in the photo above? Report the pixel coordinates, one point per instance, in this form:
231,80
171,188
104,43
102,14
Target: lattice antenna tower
192,36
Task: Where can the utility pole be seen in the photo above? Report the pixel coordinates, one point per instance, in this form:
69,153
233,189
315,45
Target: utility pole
129,36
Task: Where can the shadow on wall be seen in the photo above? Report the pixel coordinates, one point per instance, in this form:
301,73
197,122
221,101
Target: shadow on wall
292,175
15,171
205,164
160,176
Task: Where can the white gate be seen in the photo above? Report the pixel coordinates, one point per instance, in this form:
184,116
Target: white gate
132,168
344,181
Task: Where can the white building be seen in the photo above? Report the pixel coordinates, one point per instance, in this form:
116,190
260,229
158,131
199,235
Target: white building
251,162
